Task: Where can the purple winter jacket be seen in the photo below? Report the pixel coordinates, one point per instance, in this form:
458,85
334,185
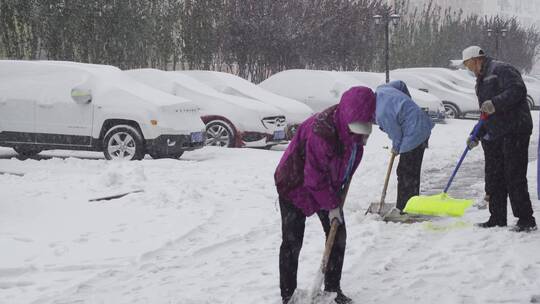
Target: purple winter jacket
312,168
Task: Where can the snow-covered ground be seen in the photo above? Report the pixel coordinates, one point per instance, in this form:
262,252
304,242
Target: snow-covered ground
206,229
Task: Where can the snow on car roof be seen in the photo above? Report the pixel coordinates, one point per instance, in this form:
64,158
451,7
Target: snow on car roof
431,81
327,80
235,85
458,80
112,77
373,80
316,88
167,82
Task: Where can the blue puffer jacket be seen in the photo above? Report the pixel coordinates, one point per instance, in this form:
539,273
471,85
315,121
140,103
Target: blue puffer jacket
398,116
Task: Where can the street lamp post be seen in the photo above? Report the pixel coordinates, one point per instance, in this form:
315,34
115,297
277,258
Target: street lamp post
497,31
384,19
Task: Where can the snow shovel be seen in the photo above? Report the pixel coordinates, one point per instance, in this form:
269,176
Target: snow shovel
380,207
319,278
442,204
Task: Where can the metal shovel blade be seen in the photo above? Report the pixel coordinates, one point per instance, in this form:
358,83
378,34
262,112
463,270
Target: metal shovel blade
396,216
384,209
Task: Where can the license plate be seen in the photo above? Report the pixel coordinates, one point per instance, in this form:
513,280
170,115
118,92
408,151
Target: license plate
197,137
279,135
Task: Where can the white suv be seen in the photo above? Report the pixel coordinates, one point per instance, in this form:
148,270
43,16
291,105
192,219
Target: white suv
75,106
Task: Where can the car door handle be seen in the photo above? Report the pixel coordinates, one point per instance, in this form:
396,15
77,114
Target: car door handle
45,105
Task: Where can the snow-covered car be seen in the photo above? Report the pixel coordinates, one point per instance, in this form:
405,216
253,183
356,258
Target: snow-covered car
317,89
533,86
458,101
428,102
230,121
62,105
464,80
295,112
533,91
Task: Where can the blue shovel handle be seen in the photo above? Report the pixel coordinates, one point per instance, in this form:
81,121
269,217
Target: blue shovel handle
474,134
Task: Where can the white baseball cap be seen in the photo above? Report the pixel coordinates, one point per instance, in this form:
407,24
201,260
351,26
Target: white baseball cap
472,52
360,127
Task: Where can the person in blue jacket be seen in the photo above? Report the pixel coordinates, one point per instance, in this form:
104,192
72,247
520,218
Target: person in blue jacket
409,128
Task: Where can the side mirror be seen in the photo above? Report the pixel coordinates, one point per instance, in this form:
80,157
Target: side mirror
81,96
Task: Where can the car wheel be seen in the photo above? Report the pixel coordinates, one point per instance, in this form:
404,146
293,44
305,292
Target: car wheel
176,155
451,111
220,134
123,142
27,151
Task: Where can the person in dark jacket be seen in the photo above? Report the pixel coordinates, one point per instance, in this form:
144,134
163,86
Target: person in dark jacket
312,178
502,95
409,128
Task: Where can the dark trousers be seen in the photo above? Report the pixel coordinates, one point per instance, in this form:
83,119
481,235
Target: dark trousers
408,174
292,230
506,161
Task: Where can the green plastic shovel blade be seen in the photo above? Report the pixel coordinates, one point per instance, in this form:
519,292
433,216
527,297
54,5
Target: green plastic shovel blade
438,205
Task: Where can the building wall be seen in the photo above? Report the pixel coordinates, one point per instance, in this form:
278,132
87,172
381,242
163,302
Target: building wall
468,6
527,11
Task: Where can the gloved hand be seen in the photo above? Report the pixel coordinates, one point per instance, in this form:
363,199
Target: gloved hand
472,142
394,152
488,107
336,213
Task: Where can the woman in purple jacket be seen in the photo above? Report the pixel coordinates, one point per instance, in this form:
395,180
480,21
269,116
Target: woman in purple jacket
312,177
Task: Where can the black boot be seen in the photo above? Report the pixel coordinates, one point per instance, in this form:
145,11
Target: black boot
341,298
524,226
491,223
287,300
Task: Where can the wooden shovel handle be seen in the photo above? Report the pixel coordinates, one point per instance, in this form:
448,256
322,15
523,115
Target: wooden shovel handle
319,279
332,233
334,225
386,180
329,244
